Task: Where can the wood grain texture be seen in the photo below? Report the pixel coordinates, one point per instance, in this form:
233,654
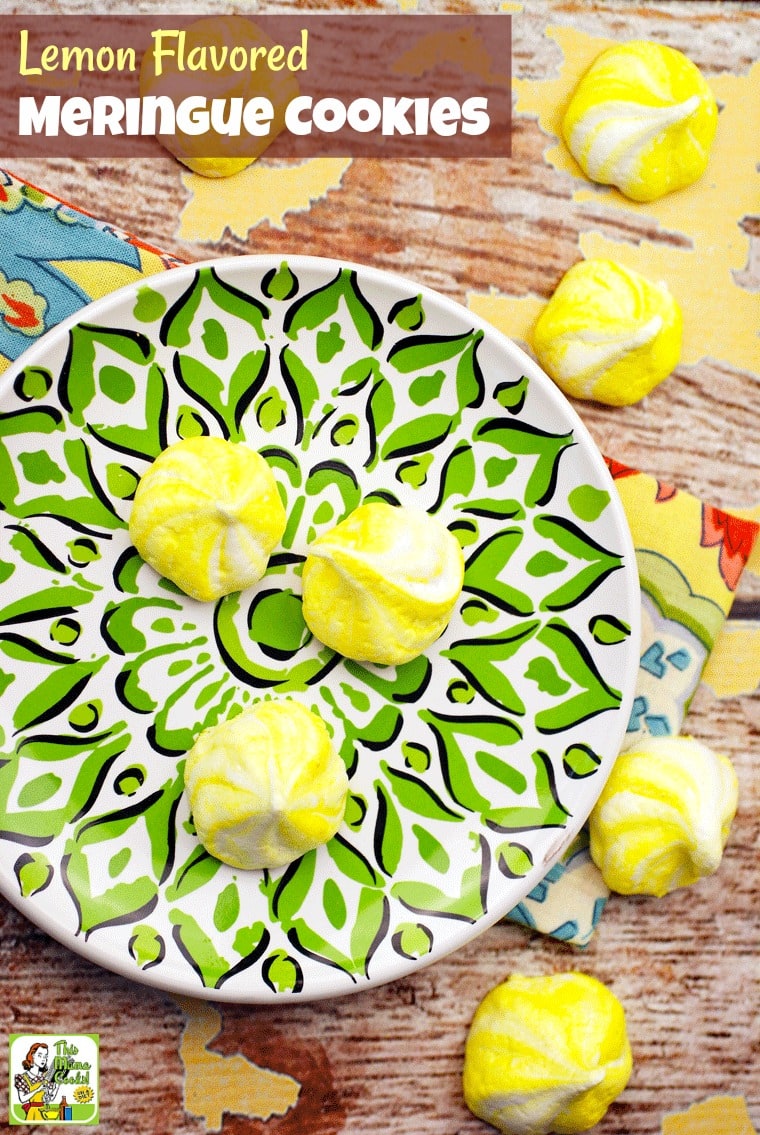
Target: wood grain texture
686,966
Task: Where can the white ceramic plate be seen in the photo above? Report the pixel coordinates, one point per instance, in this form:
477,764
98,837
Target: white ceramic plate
471,768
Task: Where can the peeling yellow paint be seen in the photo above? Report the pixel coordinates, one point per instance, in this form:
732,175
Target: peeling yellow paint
718,1115
513,315
216,1084
261,193
733,667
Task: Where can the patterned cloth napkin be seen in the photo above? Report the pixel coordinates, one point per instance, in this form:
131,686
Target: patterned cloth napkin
54,259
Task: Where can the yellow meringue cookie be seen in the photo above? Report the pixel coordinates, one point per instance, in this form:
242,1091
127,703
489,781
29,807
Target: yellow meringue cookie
382,585
216,167
170,71
663,818
207,514
266,786
641,118
608,333
545,1054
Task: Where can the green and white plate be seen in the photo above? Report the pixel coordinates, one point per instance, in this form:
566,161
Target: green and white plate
471,768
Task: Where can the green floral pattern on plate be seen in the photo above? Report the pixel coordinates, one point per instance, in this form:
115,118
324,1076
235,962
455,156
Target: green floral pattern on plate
470,767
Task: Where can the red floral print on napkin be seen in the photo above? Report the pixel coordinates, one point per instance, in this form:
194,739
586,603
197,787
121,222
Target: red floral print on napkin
665,492
734,536
19,314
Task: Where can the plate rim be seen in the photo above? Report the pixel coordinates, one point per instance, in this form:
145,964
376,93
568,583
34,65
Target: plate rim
629,585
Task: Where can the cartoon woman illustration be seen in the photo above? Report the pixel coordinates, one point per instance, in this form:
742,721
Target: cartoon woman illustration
34,1085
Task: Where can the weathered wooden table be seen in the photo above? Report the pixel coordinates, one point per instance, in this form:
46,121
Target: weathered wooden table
686,966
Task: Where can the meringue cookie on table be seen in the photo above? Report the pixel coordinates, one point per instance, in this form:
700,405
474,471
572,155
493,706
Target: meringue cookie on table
664,815
546,1054
608,333
642,118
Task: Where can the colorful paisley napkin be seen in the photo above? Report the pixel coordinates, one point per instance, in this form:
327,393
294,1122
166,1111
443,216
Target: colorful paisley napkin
54,259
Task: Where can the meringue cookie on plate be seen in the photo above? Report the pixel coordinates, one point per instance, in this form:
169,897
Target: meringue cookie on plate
383,583
266,786
207,515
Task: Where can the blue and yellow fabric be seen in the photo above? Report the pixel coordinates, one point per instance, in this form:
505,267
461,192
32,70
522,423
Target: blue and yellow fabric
54,259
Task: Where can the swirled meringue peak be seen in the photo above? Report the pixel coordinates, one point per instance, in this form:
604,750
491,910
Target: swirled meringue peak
207,515
608,333
642,118
546,1053
266,786
382,585
664,815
